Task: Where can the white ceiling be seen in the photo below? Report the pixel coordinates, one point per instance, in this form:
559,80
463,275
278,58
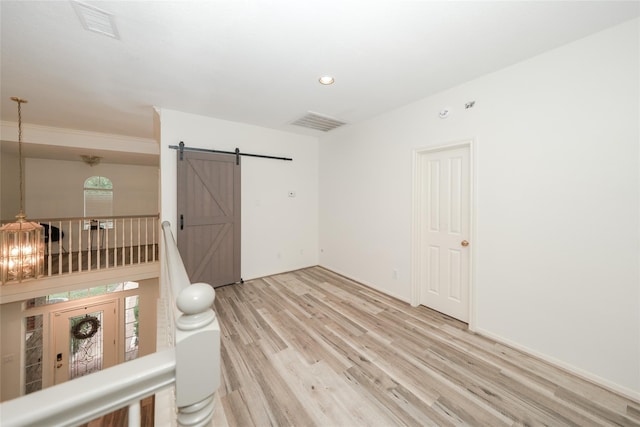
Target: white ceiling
258,61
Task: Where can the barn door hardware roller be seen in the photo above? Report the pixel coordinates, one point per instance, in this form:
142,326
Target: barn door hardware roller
236,153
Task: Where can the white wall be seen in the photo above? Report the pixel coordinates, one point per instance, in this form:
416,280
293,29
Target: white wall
9,186
557,215
54,188
279,233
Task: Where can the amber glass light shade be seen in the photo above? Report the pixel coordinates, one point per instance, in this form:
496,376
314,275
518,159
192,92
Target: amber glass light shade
21,251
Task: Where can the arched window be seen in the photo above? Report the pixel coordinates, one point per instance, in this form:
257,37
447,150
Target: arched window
98,198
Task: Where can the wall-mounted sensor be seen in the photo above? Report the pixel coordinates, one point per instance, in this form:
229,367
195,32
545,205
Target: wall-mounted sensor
469,104
443,114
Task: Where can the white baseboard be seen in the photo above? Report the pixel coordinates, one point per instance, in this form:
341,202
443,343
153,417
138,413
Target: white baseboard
368,285
602,382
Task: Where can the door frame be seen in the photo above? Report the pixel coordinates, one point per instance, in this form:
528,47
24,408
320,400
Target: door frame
75,307
417,221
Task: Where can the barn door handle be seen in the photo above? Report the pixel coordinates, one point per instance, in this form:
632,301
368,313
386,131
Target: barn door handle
181,222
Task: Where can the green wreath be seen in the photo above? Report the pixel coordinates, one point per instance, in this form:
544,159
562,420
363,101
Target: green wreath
86,328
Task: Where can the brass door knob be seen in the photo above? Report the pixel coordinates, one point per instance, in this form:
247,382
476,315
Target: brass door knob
464,243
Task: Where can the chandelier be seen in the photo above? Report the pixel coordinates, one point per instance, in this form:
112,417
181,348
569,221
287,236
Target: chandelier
21,242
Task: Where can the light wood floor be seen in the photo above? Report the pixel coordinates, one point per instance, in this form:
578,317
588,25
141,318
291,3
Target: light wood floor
313,348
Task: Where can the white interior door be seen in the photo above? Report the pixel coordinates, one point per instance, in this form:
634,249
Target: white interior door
445,228
84,340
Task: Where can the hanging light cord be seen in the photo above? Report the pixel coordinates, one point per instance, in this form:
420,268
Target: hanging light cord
20,101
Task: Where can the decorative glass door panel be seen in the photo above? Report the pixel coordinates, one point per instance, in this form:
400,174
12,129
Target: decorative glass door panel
85,340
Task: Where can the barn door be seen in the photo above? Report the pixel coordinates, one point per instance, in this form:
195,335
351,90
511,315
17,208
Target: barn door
209,217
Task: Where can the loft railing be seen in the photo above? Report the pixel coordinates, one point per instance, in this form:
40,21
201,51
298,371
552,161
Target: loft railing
191,364
81,244
195,330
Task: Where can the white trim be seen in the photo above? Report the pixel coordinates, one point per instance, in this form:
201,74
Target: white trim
70,282
585,375
599,381
416,221
46,135
473,206
361,282
416,226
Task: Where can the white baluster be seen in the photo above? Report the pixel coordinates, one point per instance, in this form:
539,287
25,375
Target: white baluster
134,414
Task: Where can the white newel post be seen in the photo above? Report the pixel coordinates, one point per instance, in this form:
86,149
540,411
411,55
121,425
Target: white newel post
190,361
197,355
197,341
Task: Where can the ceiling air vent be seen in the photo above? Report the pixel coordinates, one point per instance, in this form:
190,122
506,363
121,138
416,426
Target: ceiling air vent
318,122
96,20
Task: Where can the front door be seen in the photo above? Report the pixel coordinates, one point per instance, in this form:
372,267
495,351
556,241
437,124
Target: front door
209,217
84,340
445,228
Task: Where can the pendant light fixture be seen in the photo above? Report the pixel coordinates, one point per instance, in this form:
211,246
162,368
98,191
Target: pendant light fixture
21,242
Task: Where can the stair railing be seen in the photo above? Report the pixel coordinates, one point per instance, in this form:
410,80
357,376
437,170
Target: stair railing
192,365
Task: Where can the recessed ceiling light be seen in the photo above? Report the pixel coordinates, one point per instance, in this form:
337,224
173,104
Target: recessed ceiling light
326,80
